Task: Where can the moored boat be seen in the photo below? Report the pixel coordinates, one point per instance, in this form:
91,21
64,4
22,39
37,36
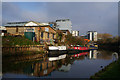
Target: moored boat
78,48
81,48
94,46
56,50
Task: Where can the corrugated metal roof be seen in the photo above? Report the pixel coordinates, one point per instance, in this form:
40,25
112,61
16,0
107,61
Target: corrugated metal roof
23,23
16,23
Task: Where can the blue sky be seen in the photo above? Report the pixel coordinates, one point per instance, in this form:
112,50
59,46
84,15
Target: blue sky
98,16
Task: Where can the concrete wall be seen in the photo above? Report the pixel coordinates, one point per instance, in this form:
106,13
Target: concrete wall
64,25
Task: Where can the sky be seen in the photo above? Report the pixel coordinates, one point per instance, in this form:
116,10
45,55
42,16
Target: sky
96,16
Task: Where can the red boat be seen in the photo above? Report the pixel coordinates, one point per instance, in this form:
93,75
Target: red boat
81,48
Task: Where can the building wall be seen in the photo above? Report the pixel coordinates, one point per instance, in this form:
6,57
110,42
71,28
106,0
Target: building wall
21,30
15,30
75,33
45,33
64,25
92,35
11,30
37,31
95,36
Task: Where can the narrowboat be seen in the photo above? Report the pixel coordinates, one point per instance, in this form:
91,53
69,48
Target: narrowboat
74,49
56,50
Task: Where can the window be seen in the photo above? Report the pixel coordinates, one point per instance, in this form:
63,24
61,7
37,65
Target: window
53,36
48,35
92,36
16,29
88,36
41,34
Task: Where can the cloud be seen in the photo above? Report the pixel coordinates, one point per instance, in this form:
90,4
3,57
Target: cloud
0,13
13,12
101,16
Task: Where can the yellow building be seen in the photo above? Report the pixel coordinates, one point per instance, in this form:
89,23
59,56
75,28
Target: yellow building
43,32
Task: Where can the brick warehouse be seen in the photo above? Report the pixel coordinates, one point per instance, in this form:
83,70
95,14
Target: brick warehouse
42,32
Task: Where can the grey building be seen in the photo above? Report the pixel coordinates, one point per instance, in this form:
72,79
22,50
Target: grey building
64,24
92,35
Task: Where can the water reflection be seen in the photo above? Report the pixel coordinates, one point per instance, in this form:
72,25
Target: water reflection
44,68
57,57
65,68
93,54
75,64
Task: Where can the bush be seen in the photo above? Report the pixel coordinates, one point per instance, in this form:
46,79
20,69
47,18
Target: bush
12,41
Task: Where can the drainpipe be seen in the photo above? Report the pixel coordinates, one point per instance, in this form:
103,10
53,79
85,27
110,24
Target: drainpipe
39,34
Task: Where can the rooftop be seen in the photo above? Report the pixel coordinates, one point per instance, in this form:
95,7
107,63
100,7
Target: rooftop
16,23
62,20
92,31
23,23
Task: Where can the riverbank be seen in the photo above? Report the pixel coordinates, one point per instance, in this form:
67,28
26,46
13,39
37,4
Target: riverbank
110,71
114,48
22,53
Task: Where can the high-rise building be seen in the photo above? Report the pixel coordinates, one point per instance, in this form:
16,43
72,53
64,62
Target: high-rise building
64,24
92,35
75,33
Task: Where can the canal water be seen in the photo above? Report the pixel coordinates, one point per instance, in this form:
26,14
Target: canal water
73,65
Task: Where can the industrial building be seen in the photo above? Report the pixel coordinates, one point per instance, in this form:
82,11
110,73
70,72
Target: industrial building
32,30
92,35
2,30
53,25
75,33
64,24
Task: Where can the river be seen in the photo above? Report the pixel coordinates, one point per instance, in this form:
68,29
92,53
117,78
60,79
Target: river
74,65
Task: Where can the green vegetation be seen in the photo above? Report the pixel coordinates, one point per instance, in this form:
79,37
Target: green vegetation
59,35
71,40
108,42
13,41
110,71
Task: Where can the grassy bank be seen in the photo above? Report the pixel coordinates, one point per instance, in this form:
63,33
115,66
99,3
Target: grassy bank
12,41
110,71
